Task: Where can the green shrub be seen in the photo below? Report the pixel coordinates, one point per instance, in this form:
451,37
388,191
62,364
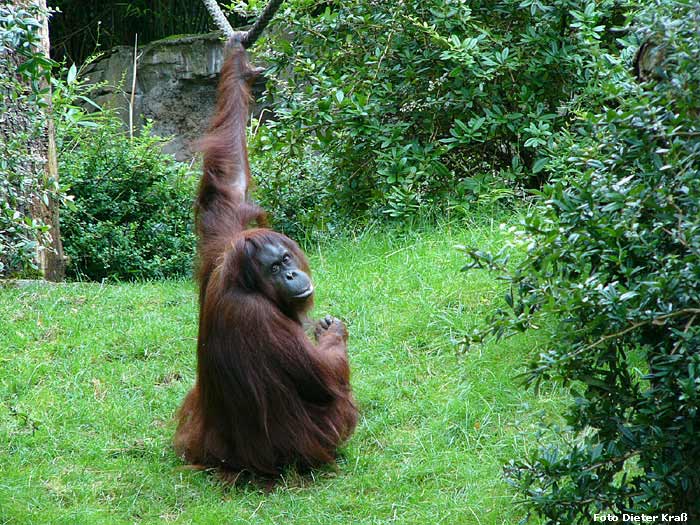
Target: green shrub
132,212
411,100
613,256
298,194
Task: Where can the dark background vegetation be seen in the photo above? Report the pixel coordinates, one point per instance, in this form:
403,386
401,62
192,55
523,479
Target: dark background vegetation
79,28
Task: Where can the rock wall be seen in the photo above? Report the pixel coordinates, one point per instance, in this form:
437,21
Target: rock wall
176,82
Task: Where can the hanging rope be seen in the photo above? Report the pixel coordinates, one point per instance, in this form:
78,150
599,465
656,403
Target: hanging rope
219,18
261,23
250,36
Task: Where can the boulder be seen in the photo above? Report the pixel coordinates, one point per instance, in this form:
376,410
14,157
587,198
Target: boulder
176,81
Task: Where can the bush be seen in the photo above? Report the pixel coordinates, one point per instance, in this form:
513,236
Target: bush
298,194
613,254
132,212
411,100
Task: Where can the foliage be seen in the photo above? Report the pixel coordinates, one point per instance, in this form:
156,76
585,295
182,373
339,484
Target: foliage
298,195
132,211
412,100
613,253
24,72
81,27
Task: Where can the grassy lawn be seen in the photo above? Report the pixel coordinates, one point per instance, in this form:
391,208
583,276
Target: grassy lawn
90,376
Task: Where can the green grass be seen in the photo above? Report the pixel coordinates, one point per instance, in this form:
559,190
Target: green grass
91,375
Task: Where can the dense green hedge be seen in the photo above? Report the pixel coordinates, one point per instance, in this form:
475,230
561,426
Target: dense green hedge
613,258
131,216
298,195
419,102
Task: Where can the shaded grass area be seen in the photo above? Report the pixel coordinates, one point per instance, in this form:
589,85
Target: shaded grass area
91,375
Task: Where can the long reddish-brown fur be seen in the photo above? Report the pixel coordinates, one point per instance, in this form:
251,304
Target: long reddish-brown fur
266,396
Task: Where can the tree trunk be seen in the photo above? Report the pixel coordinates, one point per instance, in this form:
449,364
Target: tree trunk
53,263
49,258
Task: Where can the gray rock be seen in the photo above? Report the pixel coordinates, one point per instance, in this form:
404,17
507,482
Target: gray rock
176,83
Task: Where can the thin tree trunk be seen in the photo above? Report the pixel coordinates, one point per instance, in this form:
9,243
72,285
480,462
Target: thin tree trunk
51,261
